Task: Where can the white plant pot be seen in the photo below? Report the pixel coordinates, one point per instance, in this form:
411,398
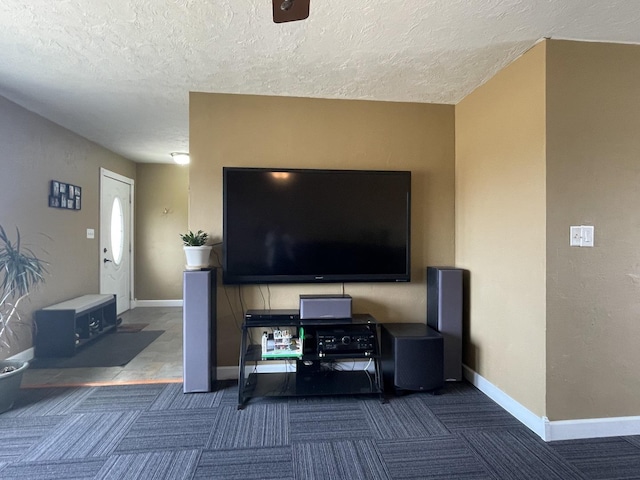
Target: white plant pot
10,383
197,257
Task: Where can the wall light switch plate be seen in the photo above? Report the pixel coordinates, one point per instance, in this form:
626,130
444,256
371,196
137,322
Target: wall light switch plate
586,239
91,233
575,236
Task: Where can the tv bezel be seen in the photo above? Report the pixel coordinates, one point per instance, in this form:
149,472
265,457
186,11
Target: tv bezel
240,279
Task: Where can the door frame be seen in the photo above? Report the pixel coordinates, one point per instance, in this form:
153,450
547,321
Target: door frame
129,181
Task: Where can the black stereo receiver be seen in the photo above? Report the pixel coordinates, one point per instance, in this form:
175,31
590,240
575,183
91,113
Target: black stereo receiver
342,341
279,317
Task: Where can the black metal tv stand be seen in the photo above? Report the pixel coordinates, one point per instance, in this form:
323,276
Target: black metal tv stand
318,368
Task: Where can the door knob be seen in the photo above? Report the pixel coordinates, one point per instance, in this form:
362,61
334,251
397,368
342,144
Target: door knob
105,260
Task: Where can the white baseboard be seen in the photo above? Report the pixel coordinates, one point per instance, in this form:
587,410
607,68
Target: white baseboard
591,428
156,303
551,431
524,415
227,373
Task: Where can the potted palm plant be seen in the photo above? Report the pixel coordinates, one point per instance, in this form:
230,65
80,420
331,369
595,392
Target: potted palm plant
196,249
20,272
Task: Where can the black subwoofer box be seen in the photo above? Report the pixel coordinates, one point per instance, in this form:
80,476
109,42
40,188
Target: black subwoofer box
412,357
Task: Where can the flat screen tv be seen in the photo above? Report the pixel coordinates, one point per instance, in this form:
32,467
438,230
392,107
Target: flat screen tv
315,226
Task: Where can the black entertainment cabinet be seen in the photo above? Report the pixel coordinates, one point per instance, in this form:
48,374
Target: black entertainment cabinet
318,368
63,328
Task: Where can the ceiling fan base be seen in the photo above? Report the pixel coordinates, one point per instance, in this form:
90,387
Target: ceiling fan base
299,11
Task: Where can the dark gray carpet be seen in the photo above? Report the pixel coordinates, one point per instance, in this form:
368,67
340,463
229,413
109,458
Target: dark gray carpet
157,432
109,350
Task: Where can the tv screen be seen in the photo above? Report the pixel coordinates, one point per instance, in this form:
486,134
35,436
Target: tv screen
314,226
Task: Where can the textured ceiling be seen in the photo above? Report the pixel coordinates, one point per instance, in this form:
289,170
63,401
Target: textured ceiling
118,72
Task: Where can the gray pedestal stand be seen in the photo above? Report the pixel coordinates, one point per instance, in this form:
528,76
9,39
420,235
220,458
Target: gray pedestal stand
199,330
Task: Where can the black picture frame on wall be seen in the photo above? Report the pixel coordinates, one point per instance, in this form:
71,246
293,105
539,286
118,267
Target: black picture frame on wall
65,195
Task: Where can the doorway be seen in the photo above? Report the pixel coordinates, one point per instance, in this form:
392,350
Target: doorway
116,242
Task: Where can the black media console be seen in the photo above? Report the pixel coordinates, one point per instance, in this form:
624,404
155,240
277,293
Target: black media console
293,357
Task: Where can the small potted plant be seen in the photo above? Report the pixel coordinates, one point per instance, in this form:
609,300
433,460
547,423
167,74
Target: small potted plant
196,249
20,272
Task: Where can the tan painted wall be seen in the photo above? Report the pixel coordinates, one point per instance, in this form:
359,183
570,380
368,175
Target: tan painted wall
500,227
35,151
161,215
243,130
593,164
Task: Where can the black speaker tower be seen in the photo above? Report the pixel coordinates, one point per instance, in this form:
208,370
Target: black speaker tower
445,299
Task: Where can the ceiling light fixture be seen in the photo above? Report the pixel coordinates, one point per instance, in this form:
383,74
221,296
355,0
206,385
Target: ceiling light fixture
181,158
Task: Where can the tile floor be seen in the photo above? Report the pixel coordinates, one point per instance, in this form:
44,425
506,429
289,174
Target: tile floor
159,362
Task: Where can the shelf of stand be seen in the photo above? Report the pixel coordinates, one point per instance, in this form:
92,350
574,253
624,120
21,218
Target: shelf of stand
312,376
63,328
254,354
295,384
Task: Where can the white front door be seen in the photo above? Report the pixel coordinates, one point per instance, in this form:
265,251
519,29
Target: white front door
116,248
